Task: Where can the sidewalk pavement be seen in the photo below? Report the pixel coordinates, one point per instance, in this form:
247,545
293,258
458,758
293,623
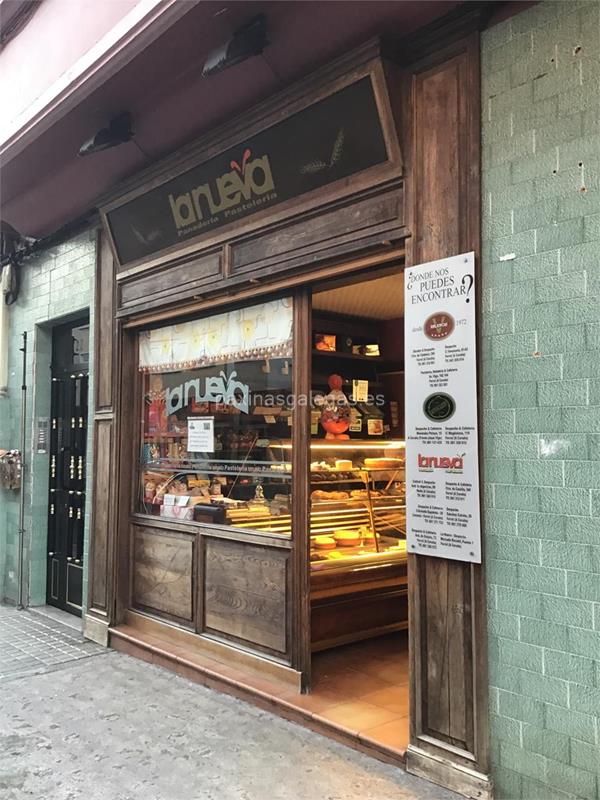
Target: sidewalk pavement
110,727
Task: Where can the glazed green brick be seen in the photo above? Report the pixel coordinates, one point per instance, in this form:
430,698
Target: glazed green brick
495,372
539,473
510,148
547,743
560,287
500,522
535,790
593,446
577,557
580,204
540,632
512,345
542,368
564,501
534,165
503,103
592,337
499,470
514,548
534,420
514,395
571,338
498,322
504,676
565,183
524,498
541,526
536,266
515,445
569,667
526,763
521,654
578,613
569,722
534,116
584,643
537,317
542,579
583,585
556,79
519,601
504,198
585,474
499,420
563,393
507,784
560,234
582,420
509,730
591,228
578,258
502,624
559,131
505,572
585,756
584,364
583,529
571,779
513,295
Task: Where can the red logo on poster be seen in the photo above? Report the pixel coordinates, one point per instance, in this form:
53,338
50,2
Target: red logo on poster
439,325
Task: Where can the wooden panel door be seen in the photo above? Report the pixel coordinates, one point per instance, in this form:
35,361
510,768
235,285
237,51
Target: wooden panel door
449,739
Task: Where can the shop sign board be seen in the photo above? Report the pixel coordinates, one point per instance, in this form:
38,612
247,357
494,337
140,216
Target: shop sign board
442,445
328,141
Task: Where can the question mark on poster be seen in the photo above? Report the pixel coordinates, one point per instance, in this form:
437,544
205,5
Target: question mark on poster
468,278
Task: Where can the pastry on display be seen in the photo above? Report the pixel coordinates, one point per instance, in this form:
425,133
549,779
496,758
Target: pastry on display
343,464
346,538
319,494
324,542
383,463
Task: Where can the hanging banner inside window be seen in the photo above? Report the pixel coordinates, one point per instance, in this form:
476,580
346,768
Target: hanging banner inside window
442,449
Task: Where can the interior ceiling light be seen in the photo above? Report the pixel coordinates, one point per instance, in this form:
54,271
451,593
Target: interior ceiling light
249,40
118,132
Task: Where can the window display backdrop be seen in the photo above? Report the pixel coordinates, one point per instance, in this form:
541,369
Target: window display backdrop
442,452
217,395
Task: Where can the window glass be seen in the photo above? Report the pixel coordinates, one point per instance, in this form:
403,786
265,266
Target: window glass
217,396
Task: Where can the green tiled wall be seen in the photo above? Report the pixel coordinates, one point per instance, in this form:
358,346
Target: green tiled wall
56,285
541,362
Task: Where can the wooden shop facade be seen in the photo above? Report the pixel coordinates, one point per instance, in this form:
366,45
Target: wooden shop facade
249,500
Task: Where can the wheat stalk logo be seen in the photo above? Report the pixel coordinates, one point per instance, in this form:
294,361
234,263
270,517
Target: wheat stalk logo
336,153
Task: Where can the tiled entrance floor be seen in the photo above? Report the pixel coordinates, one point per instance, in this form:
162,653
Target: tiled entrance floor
362,688
33,642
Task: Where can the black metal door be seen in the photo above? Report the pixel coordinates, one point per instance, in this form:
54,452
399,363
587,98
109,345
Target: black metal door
67,467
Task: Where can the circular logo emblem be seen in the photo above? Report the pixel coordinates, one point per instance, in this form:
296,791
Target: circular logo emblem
439,407
439,326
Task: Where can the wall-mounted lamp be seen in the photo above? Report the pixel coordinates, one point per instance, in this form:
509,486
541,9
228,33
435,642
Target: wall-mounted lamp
249,40
118,132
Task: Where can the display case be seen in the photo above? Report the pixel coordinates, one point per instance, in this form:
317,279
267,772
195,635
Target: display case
358,540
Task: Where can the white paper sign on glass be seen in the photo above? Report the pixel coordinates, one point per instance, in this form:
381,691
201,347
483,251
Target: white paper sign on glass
201,435
442,444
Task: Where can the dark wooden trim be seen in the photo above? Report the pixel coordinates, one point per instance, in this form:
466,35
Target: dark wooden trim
386,255
300,573
449,713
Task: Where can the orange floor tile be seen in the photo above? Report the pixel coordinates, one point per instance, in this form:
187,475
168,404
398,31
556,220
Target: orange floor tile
362,689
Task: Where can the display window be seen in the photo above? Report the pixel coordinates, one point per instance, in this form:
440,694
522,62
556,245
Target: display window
217,396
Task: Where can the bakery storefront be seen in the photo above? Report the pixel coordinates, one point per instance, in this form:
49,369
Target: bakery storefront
250,499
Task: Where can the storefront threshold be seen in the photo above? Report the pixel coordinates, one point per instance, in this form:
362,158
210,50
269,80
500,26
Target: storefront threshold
269,694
